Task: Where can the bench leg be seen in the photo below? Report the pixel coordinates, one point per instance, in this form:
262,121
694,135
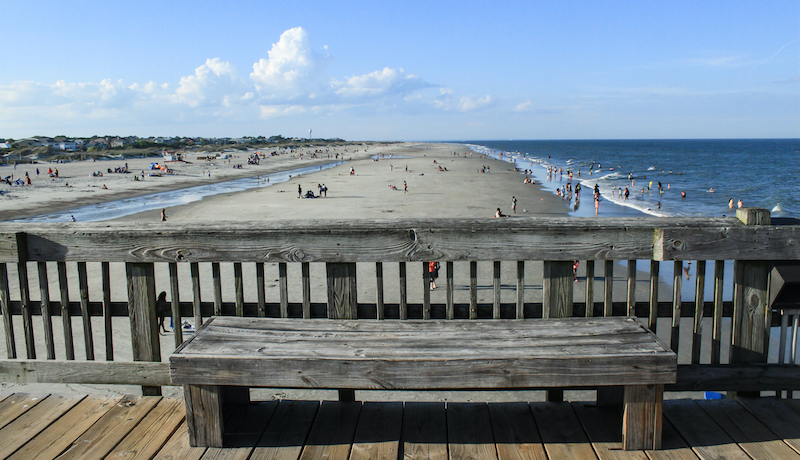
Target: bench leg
204,414
641,423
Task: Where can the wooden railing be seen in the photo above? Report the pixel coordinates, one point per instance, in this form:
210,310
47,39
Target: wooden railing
491,268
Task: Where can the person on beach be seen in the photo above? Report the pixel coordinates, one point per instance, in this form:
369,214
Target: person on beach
499,213
163,215
740,204
730,203
686,269
299,191
514,204
433,269
162,307
405,187
72,218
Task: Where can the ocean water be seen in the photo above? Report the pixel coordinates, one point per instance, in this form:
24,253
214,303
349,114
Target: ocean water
759,172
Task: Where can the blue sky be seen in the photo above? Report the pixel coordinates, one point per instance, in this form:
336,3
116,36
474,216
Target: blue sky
413,70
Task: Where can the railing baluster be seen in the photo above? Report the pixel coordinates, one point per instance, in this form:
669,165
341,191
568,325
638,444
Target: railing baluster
262,295
496,289
8,324
306,277
239,284
83,285
197,305
631,294
675,332
520,289
699,292
473,290
557,300
716,331
175,307
652,320
403,291
145,341
283,282
608,289
47,319
379,308
589,288
66,319
217,278
426,291
108,329
25,301
450,313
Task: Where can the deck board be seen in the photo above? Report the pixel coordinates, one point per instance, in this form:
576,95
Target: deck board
94,426
32,422
16,404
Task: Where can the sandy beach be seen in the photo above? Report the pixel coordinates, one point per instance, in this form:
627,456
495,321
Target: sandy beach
443,180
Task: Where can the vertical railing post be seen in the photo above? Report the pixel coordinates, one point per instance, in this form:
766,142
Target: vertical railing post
5,304
143,317
342,301
751,312
557,301
24,294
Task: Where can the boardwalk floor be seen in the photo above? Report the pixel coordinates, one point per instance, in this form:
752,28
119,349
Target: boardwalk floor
116,427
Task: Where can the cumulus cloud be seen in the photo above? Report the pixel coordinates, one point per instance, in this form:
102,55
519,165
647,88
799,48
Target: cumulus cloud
292,70
291,81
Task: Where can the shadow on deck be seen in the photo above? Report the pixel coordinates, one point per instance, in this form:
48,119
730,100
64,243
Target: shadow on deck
78,426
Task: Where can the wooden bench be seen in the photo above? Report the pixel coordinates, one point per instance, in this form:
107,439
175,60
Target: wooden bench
229,355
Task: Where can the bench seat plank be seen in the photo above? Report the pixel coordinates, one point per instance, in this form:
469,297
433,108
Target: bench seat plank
422,354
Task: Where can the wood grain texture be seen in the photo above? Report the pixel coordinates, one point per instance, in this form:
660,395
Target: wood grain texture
204,417
515,433
333,431
469,431
422,354
95,373
425,431
378,432
641,420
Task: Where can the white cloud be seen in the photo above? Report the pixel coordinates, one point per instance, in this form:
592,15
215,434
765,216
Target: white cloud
214,83
293,70
291,81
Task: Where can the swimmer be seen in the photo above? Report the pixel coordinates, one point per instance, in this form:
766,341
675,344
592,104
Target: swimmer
711,190
683,194
730,203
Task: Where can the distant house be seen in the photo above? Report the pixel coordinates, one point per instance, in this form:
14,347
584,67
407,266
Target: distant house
5,145
65,145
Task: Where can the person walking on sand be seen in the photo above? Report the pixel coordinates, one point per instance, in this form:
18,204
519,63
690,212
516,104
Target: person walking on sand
514,204
299,191
405,187
433,270
163,215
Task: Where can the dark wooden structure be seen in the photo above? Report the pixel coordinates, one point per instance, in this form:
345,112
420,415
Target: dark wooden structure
65,289
229,355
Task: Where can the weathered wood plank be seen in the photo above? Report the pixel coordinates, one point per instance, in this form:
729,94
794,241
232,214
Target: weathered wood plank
732,377
175,304
238,282
422,354
83,285
25,298
261,291
178,448
32,422
145,339
110,429
332,433
216,277
287,431
306,286
283,287
777,416
5,304
379,294
496,290
589,295
697,325
96,373
641,421
602,427
515,433
521,290
155,429
57,437
707,439
47,320
449,307
403,290
342,291
425,431
675,329
66,320
473,290
245,426
655,267
716,331
726,243
558,289
17,404
608,288
204,418
469,431
561,432
105,270
631,288
378,432
751,435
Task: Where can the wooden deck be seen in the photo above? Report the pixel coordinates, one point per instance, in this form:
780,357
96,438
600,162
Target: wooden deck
146,427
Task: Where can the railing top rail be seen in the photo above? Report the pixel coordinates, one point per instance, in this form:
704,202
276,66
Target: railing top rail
403,240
